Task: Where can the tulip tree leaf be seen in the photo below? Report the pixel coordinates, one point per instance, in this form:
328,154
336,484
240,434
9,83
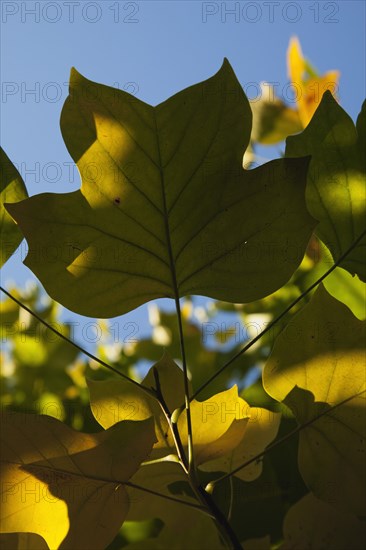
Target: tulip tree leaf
165,208
64,485
12,189
317,369
311,523
336,190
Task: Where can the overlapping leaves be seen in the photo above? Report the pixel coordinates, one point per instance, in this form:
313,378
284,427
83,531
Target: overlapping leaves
165,208
226,430
336,190
317,368
219,423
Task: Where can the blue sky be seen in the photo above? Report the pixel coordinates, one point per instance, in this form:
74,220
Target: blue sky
152,49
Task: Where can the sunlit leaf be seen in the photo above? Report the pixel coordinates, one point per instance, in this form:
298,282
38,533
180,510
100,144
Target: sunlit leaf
308,85
65,485
336,190
165,207
311,523
347,289
317,368
12,189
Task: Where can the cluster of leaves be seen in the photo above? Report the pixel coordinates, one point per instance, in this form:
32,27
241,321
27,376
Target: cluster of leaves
168,211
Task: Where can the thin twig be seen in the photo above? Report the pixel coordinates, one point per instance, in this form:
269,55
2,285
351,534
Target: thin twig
149,391
167,497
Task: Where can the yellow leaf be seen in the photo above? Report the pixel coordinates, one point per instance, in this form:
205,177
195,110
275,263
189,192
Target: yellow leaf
64,485
308,86
262,428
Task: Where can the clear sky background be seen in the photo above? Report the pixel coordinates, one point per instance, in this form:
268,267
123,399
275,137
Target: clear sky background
152,49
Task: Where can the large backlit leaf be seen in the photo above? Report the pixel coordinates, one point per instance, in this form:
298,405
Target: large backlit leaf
336,190
311,523
65,485
317,368
12,189
165,207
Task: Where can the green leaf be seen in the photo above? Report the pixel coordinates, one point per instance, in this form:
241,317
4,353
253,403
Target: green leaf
264,543
317,368
65,485
165,208
349,290
260,501
311,523
12,189
184,526
336,190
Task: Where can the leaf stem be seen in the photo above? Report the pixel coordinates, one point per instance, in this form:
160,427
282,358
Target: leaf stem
222,523
187,399
173,426
149,391
279,317
177,304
